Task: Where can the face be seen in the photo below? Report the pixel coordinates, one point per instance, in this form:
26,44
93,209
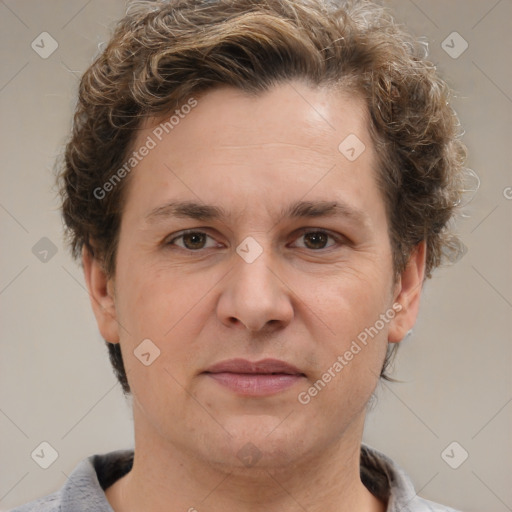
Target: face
254,256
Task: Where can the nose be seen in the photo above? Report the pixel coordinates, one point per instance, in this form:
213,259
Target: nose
255,295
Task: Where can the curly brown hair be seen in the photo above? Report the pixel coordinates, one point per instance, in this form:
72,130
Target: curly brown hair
163,52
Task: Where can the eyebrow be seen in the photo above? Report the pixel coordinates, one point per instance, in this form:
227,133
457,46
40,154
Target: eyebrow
298,209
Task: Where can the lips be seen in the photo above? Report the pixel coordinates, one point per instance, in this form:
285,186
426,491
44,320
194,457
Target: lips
265,366
255,378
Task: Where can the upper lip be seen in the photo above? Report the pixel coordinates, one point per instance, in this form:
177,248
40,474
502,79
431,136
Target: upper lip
264,366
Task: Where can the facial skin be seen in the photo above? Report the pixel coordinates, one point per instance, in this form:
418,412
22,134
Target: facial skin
303,300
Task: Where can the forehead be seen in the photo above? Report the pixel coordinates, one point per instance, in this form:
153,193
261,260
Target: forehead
287,113
230,146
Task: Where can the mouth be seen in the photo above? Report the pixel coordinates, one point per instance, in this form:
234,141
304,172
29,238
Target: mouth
255,378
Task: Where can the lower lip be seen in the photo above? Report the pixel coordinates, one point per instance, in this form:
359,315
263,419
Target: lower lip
256,384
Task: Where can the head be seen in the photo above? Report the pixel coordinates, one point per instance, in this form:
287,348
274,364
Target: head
253,106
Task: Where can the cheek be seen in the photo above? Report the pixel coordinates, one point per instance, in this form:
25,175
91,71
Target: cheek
153,303
355,297
352,305
170,311
351,361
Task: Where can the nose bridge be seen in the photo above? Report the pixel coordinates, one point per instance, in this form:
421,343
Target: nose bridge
252,269
254,296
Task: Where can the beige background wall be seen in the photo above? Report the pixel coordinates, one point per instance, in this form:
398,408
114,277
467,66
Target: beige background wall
55,380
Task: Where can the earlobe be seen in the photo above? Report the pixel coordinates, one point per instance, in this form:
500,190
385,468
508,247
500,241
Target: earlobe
408,294
102,298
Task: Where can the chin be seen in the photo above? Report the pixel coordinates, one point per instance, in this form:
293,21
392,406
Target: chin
263,442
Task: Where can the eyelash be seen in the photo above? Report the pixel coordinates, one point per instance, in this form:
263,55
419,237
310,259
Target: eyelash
339,240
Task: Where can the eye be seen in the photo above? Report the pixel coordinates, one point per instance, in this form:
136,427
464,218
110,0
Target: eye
192,240
317,239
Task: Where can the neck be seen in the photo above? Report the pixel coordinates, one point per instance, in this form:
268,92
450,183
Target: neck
167,478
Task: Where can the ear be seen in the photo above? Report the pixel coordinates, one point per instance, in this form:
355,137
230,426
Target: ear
101,293
407,294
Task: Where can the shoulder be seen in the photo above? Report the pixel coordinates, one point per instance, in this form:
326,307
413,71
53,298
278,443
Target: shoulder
387,480
50,503
84,489
422,505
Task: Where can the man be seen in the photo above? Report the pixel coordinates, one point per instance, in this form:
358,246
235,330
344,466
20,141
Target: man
257,190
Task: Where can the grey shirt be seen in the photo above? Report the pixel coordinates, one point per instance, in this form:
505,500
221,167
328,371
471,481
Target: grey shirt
84,490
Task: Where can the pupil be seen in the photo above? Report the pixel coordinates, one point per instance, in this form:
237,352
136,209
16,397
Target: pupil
317,239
